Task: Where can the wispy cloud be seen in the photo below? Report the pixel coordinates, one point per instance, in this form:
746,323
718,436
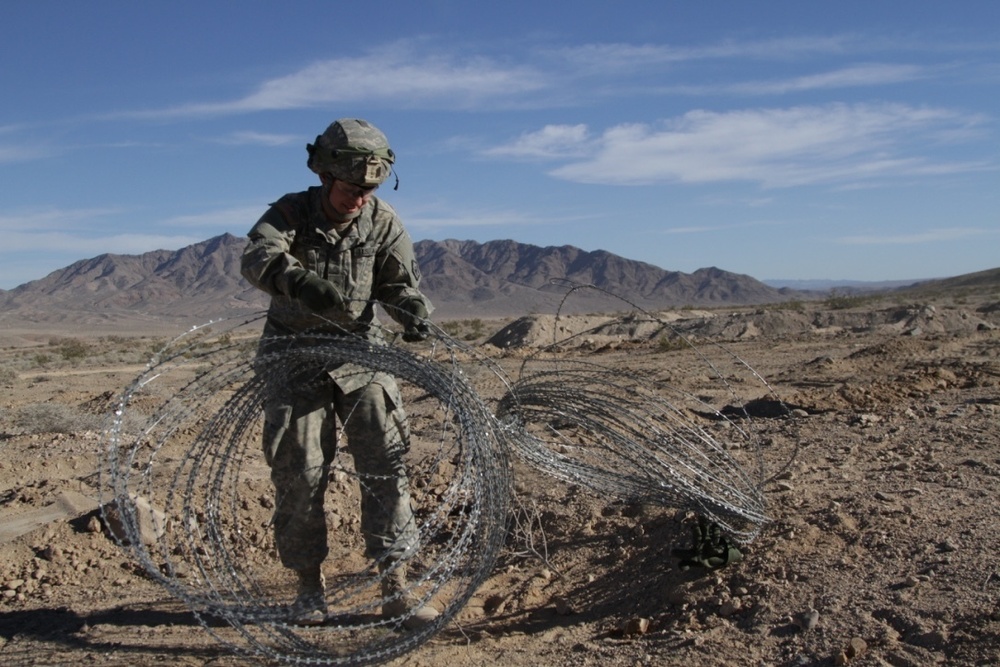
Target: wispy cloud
779,147
42,240
870,74
611,57
251,138
552,141
394,73
80,246
407,74
873,74
701,229
84,230
51,218
491,218
237,217
927,236
10,154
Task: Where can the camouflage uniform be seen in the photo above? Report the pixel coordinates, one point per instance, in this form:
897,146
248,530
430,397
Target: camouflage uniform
368,259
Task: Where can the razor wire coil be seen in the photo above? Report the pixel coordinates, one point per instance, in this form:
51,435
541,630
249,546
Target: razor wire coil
183,475
191,473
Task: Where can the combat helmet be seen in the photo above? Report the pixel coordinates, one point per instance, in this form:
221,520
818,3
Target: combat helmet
352,150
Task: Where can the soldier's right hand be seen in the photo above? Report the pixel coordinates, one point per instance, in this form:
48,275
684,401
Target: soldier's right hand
313,292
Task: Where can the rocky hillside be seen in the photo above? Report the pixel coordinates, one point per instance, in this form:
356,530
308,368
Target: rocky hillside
463,278
507,277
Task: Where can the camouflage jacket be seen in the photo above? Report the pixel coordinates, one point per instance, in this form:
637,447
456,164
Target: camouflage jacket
371,260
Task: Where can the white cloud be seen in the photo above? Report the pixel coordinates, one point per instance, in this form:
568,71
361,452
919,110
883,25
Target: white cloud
835,143
28,256
40,241
491,218
22,153
609,57
551,141
239,217
81,246
871,74
927,236
404,74
393,74
719,227
874,74
83,230
252,138
51,218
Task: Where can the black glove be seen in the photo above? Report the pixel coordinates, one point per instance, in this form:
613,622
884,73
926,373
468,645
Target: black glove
417,333
413,315
313,292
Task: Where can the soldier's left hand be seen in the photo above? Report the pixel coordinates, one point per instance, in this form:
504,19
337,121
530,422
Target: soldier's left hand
417,333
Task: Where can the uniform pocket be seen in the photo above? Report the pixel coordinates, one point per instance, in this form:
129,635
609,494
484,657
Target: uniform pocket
363,266
395,414
277,418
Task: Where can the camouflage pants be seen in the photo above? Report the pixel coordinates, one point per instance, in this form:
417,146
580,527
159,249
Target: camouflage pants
300,441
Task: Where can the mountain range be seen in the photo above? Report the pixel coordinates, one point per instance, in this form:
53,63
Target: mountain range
463,279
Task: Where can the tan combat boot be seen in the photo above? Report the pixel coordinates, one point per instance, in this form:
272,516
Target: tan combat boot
309,607
402,603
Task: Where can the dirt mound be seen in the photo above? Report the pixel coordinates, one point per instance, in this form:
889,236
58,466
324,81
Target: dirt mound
544,330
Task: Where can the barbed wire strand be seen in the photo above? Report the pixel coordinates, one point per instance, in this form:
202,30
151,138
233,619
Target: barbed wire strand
185,475
700,348
190,474
622,433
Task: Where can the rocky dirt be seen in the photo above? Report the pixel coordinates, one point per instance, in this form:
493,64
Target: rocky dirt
883,547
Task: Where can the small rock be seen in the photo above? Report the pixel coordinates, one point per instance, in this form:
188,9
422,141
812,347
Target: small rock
52,553
563,606
636,626
856,647
495,604
808,620
947,546
933,640
730,607
141,519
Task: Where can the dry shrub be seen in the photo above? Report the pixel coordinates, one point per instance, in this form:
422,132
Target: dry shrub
54,418
8,375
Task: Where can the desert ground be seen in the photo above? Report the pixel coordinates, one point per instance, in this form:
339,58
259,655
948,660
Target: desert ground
882,546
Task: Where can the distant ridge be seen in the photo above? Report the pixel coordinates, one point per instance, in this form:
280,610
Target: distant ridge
506,277
818,285
463,278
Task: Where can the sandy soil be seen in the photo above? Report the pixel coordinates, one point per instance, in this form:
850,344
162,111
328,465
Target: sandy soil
883,547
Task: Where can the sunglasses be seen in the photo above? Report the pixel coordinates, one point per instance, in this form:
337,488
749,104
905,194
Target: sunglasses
354,191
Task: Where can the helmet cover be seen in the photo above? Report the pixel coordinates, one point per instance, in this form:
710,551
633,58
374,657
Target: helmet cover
352,150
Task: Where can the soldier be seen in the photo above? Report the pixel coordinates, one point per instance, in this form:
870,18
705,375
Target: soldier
326,256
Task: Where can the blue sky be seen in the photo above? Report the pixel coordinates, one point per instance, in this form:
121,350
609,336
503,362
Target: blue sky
783,140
